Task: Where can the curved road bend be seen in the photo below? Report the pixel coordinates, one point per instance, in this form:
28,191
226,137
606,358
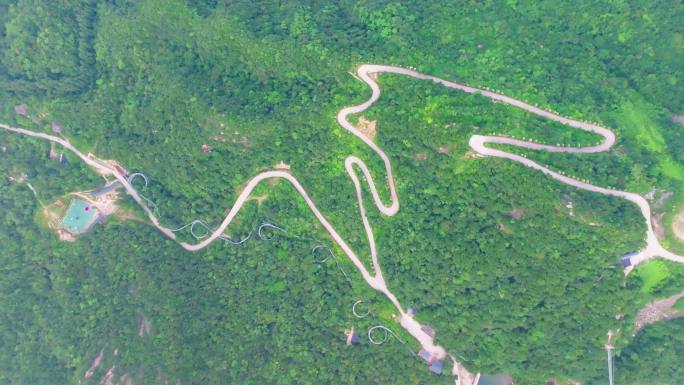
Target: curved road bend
377,281
477,143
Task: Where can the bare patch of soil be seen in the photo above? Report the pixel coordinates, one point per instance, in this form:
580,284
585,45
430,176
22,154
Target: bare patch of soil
658,196
126,380
678,225
657,222
282,166
657,311
259,198
144,328
240,139
516,213
584,220
505,229
65,236
444,149
367,127
470,155
94,365
108,378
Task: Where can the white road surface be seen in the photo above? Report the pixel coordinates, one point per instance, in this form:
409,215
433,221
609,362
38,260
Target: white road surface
477,142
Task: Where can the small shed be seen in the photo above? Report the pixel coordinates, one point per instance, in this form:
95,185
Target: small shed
21,109
56,127
355,339
437,366
626,259
411,310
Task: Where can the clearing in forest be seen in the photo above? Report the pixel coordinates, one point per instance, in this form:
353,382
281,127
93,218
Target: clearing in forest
678,225
367,127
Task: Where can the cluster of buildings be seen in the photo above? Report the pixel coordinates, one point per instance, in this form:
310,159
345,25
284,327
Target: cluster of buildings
434,363
23,110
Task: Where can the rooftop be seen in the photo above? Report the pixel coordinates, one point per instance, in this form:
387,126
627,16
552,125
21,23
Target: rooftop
425,355
106,189
21,109
437,367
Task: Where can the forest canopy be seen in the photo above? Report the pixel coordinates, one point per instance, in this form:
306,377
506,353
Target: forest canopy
202,95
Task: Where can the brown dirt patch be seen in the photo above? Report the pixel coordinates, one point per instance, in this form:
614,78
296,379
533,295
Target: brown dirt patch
282,166
678,225
470,155
505,229
658,310
516,213
367,127
657,222
259,198
239,138
94,365
66,236
108,378
144,328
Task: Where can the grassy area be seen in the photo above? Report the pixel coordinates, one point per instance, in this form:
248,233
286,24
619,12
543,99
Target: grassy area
637,119
652,274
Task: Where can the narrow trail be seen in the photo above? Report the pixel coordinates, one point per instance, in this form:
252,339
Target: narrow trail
352,164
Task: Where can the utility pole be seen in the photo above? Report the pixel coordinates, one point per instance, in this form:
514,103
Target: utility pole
609,350
610,364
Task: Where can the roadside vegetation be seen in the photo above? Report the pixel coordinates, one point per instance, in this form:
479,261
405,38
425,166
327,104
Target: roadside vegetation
202,95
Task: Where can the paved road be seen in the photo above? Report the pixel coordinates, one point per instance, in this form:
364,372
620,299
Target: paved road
352,164
100,166
478,143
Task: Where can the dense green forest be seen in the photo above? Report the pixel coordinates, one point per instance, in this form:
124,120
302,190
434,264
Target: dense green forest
148,83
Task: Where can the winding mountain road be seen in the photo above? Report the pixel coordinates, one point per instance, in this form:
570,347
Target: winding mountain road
477,143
